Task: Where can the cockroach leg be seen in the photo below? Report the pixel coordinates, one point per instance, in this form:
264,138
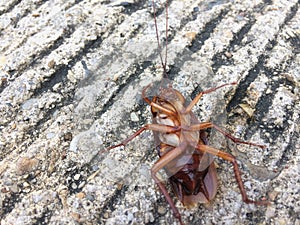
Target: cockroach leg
154,127
168,197
228,157
162,109
198,97
155,105
161,163
205,125
234,139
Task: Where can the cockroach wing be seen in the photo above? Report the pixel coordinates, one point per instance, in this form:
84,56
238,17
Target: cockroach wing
206,159
218,117
208,181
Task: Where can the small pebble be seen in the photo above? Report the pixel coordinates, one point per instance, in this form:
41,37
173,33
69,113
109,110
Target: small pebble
77,176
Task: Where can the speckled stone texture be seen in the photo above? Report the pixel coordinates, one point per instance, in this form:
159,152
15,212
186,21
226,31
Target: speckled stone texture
71,76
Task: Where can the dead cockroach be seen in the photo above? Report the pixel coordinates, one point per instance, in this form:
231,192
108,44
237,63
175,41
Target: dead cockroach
182,145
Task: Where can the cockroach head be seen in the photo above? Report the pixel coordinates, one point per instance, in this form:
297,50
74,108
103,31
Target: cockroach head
163,89
157,87
171,95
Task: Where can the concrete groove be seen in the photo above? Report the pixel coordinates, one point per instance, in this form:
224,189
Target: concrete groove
71,74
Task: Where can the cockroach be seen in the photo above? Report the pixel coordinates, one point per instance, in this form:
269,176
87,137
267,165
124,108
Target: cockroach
182,144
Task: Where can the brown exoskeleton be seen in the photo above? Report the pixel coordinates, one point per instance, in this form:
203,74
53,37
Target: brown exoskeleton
183,146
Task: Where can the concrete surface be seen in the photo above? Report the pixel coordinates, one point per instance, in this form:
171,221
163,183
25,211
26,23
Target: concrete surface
71,78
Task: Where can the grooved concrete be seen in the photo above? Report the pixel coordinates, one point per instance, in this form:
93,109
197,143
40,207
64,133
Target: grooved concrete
71,75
